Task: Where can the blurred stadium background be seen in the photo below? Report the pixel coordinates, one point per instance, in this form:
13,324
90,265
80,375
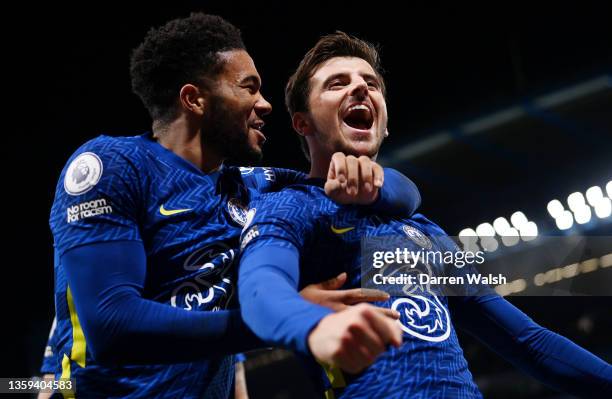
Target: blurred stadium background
493,110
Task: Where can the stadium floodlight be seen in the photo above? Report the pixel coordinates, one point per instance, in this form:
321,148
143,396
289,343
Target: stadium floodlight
489,243
510,237
467,232
609,189
469,239
575,201
603,208
555,208
565,221
485,230
501,225
583,214
594,195
529,231
518,219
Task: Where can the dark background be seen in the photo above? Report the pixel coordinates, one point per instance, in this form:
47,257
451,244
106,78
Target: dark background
445,65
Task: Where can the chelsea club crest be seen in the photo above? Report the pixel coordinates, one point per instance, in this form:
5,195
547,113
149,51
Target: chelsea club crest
415,235
237,211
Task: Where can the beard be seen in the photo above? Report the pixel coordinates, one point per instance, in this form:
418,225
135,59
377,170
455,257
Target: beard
228,135
339,143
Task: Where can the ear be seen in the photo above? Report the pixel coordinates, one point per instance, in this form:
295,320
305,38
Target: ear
193,99
386,132
302,124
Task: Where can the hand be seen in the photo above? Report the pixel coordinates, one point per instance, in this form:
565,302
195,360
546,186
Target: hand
353,180
353,338
240,385
328,294
48,378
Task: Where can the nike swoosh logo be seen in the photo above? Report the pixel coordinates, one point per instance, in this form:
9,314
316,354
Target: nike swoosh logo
171,212
341,230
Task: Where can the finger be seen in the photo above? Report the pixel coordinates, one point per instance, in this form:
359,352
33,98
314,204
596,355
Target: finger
369,340
366,173
352,178
386,328
333,187
393,314
334,283
335,306
351,358
331,172
378,175
339,164
359,295
329,298
366,357
349,361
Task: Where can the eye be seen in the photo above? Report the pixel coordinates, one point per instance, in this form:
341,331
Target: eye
372,84
336,84
253,89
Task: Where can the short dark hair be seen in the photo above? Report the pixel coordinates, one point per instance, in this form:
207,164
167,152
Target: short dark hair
184,50
337,44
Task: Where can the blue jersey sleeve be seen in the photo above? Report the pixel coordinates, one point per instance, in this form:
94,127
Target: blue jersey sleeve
98,195
278,226
551,358
50,363
399,196
122,327
284,217
268,180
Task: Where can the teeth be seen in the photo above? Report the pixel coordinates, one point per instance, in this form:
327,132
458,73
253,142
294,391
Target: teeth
358,106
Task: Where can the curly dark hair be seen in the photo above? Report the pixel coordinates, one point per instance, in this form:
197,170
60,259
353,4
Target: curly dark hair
337,44
182,51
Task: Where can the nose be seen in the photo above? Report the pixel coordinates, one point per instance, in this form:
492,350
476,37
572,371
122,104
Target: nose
262,107
360,89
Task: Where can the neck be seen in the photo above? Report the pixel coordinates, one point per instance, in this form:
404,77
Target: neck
185,140
319,164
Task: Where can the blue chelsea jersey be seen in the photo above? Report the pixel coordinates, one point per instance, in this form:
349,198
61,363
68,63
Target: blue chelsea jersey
131,188
430,362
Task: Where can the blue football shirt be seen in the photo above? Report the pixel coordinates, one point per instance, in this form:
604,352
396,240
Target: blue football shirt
131,188
430,362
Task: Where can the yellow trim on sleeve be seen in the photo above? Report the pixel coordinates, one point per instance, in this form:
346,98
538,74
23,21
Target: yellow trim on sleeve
79,346
336,378
67,394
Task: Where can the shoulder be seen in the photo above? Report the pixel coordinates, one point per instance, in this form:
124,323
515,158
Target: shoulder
301,197
100,157
435,232
268,179
431,227
104,168
112,147
297,206
285,216
249,172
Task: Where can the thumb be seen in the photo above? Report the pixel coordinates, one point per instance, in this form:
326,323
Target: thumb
332,186
331,172
334,283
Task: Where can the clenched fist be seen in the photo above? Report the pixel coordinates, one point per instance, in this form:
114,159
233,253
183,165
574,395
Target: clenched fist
352,180
354,337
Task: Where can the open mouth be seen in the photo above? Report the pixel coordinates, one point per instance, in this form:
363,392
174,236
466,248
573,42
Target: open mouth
257,126
359,116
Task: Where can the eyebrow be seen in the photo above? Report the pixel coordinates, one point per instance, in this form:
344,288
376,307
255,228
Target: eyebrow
251,79
366,76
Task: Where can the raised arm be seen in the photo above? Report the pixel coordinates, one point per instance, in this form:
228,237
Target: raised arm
549,357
